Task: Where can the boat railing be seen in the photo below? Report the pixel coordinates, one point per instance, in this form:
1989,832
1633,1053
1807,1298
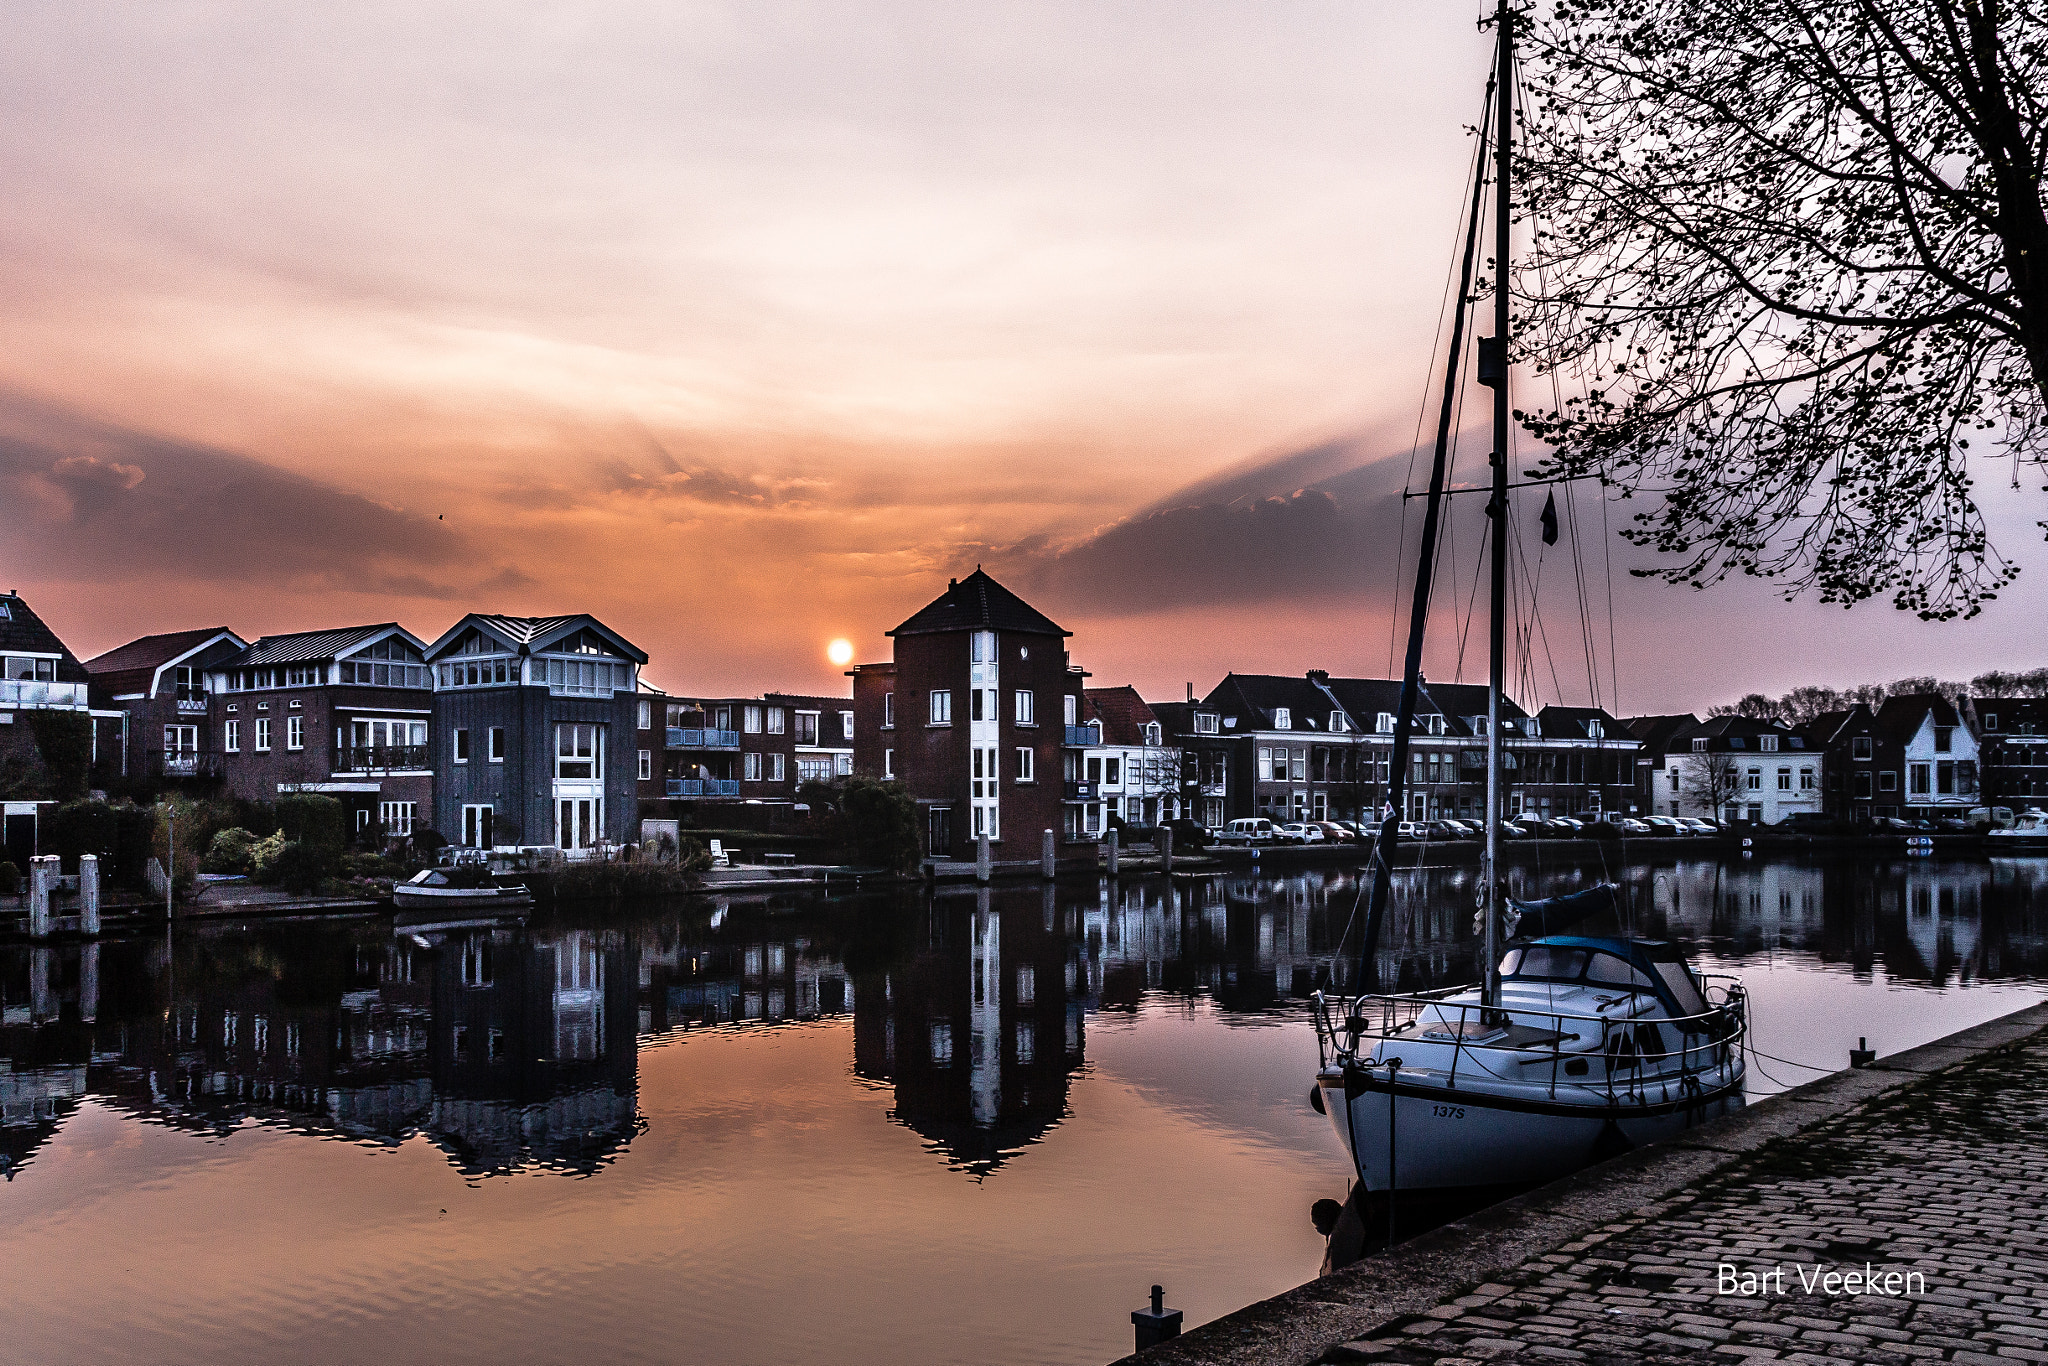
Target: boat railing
1482,1037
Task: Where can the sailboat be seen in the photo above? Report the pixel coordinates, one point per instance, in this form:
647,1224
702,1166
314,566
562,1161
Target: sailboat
1572,1048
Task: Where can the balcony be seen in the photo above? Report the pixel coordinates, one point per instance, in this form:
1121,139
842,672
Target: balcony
35,692
1084,735
680,737
381,759
192,701
1080,791
704,787
183,763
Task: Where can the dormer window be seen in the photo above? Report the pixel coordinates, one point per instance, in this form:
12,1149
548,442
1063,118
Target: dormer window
1282,719
1595,730
1991,720
1206,723
1533,728
1699,746
1151,732
1736,742
1767,743
1385,723
1339,723
1944,739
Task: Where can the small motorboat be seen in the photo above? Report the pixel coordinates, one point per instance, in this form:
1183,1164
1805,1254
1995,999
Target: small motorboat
462,888
2027,835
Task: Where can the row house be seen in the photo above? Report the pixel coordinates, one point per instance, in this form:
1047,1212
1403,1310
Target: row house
536,723
1320,747
2012,749
1195,733
160,685
40,681
1847,741
1914,757
978,716
1729,768
346,713
758,750
1128,772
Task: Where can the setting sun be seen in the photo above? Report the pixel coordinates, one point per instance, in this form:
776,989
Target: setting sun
840,652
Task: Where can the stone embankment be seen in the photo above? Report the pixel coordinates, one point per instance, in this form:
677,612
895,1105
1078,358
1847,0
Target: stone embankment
1887,1215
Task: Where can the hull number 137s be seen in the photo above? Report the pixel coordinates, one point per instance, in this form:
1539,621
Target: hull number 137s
1448,1111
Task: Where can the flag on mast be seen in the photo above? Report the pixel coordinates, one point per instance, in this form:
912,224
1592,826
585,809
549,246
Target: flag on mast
1550,518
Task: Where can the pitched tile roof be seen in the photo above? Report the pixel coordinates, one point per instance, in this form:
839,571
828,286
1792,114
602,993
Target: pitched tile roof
532,632
23,631
1121,711
978,603
1900,717
1660,732
151,652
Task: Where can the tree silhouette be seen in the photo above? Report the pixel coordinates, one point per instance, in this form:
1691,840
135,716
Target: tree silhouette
1790,272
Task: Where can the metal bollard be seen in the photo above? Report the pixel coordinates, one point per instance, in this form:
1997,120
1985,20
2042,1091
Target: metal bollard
1111,843
981,858
89,894
1165,850
42,883
1047,850
1862,1055
1157,1324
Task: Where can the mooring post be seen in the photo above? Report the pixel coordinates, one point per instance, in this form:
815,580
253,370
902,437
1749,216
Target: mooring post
89,983
981,858
1157,1324
1165,849
89,894
42,882
1111,842
1862,1055
42,993
1046,851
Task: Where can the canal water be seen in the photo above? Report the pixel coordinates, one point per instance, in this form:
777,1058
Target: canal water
969,1127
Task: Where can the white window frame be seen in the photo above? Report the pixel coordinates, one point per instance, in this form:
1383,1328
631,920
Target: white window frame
495,744
231,737
750,720
888,711
942,707
1027,707
645,772
750,766
776,721
1283,718
596,756
461,749
263,735
888,763
295,731
1208,723
776,770
1025,761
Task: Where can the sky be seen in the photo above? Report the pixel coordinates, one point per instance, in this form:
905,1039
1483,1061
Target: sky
745,326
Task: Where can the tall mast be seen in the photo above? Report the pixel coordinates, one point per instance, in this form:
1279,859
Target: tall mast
1496,374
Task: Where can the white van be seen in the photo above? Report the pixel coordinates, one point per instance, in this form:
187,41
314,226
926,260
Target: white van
1249,830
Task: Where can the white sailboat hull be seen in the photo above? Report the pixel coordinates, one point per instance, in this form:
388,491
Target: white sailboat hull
1444,1138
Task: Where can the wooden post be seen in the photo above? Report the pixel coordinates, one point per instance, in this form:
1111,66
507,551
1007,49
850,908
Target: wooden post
42,882
1165,849
89,894
1111,843
981,858
1047,850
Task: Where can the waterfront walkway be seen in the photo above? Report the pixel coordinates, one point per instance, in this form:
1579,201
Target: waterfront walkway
1920,1185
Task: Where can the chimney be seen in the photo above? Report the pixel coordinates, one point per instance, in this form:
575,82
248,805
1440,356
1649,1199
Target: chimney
1191,692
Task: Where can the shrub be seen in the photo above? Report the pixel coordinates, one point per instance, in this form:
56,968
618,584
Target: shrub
320,823
594,880
881,824
10,879
263,855
64,745
300,867
228,852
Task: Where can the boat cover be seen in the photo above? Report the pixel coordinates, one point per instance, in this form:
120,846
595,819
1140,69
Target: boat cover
1556,914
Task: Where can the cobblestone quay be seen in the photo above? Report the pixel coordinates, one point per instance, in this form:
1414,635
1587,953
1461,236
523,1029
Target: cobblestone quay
1893,1214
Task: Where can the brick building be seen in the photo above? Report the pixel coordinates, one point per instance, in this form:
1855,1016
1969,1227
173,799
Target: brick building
2012,740
975,716
347,713
159,685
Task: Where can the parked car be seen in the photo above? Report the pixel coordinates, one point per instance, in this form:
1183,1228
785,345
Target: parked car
1530,826
1302,832
1442,830
1699,826
1665,825
1464,829
1567,826
1189,834
1992,817
1410,830
1335,833
1249,830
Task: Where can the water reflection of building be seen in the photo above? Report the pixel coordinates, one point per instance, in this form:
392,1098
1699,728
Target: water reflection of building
506,1050
975,1027
759,965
